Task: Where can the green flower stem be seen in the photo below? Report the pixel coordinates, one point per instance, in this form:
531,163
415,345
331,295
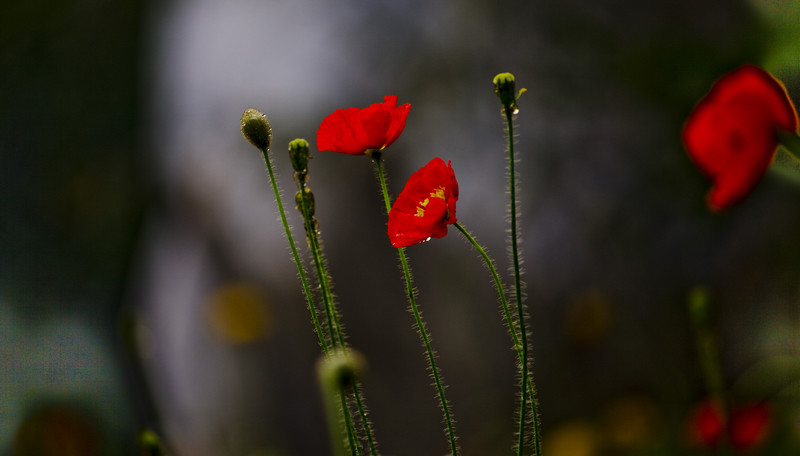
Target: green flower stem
333,318
509,112
706,344
527,380
333,410
355,448
300,270
306,289
421,327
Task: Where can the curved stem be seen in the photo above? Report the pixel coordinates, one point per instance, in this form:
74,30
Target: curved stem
512,188
333,316
421,327
512,327
300,270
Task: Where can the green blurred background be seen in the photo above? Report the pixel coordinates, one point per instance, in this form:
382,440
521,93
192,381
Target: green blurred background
144,279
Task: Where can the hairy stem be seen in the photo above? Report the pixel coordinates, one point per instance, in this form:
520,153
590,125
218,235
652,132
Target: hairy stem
300,270
337,333
512,326
512,189
421,327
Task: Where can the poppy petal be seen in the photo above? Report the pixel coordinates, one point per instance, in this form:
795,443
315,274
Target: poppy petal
731,135
356,130
750,426
426,205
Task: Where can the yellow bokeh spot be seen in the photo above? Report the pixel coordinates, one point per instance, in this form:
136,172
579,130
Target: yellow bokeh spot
238,313
589,317
573,438
631,421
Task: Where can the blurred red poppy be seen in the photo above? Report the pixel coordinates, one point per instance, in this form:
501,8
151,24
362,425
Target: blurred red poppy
750,425
706,423
732,133
426,205
356,131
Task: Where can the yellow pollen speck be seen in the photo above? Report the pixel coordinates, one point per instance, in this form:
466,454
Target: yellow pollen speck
421,207
438,193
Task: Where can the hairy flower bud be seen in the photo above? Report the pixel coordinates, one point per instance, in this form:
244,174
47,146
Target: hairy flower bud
305,199
505,89
256,128
298,154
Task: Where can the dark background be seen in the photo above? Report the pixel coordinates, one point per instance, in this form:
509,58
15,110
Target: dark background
132,210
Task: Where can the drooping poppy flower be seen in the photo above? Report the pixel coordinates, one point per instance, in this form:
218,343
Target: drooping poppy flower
732,133
356,131
426,205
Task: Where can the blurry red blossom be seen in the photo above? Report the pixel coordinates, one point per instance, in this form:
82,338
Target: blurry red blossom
358,130
732,133
706,423
426,205
748,427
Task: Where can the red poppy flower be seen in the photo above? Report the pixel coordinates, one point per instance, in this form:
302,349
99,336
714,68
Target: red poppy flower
732,134
426,205
750,426
358,130
706,423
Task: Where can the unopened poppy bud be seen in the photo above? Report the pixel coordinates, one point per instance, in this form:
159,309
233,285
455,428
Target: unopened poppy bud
305,199
298,154
505,89
150,443
341,369
256,128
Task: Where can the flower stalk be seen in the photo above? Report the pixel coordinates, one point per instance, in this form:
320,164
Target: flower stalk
422,328
298,151
501,292
257,130
505,90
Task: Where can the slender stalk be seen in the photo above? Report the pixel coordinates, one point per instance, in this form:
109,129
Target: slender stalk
333,318
300,270
509,112
512,327
421,327
333,410
355,448
706,344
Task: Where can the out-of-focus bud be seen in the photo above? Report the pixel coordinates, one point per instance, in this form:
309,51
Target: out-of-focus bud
150,444
256,128
341,369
